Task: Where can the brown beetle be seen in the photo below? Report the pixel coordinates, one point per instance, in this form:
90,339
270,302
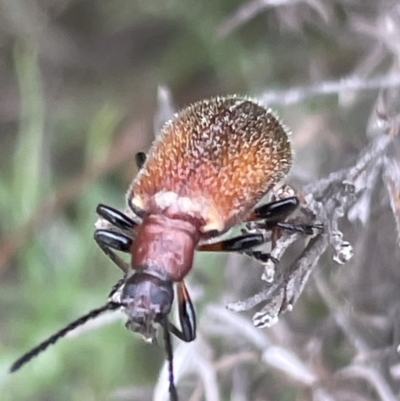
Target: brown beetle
204,174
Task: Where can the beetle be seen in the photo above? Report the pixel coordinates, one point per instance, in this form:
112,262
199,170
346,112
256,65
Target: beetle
204,174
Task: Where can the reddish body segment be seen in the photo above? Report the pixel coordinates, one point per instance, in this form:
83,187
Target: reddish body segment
165,245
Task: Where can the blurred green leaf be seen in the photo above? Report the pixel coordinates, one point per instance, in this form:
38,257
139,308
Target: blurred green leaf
29,163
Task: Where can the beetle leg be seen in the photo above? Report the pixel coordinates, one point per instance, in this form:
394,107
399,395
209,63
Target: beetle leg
243,244
240,243
262,257
308,229
187,315
271,213
179,333
109,240
140,159
115,217
275,211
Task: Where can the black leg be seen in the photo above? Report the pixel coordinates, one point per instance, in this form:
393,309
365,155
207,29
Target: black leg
115,217
187,315
114,240
264,218
244,244
236,244
307,229
140,159
179,333
275,211
108,240
270,215
273,215
262,257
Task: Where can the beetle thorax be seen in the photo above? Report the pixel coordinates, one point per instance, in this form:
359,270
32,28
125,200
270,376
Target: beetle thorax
165,245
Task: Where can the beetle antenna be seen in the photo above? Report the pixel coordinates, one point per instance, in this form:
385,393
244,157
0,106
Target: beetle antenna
170,358
55,337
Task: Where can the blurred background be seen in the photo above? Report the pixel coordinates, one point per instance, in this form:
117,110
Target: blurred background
84,85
